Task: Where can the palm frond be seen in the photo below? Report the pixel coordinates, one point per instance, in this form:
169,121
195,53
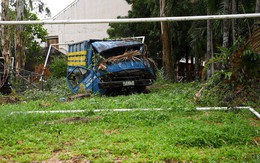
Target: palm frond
254,40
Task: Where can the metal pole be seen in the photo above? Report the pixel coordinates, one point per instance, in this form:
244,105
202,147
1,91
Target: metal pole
133,20
82,111
45,64
226,108
47,58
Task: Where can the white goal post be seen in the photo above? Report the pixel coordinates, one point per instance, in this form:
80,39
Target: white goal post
133,20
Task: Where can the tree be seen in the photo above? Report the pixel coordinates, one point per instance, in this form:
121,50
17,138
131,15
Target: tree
234,21
257,10
209,54
151,31
226,25
19,41
33,49
6,42
167,54
23,10
188,39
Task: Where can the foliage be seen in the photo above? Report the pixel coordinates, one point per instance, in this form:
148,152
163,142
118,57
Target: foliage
237,79
59,67
35,34
140,8
53,89
31,35
179,134
188,39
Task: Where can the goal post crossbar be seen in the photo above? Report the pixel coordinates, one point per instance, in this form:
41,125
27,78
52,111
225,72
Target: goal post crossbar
133,20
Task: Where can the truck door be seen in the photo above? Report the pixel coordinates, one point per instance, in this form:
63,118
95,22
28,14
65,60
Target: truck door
81,79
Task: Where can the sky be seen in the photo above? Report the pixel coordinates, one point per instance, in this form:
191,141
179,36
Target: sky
57,5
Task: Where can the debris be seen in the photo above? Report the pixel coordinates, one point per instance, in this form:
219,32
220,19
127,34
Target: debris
63,99
74,120
79,96
198,95
45,104
126,56
9,99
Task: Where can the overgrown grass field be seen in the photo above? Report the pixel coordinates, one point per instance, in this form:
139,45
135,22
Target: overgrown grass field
177,134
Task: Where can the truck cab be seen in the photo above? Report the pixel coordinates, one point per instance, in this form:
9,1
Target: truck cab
103,66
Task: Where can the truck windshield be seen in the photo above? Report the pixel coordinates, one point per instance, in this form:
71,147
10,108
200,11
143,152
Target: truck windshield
118,51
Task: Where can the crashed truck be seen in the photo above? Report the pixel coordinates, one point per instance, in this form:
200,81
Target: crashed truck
105,66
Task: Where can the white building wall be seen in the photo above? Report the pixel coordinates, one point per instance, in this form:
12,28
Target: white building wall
87,9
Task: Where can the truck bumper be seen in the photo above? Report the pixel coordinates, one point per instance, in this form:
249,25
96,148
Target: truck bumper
120,84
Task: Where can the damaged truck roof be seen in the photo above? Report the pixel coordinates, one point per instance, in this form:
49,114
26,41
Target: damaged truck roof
103,46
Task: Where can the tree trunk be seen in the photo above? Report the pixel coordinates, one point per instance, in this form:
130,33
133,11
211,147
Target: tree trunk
6,43
187,67
192,67
209,54
257,10
226,25
6,37
234,21
19,47
197,67
167,57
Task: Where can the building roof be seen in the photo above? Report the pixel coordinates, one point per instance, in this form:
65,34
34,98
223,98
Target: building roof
65,9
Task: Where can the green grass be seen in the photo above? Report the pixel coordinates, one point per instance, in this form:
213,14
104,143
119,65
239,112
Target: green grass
178,134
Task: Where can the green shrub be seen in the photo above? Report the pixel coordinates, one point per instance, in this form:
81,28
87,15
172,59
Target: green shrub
59,67
54,88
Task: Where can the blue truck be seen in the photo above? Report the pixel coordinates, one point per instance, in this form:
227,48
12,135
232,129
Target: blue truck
104,66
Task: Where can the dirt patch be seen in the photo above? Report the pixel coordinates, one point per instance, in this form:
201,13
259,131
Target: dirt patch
9,100
45,105
74,159
118,160
4,159
255,122
256,140
110,132
75,120
79,159
175,161
53,160
80,96
157,86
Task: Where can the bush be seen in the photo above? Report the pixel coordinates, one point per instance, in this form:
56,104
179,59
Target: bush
54,88
59,67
